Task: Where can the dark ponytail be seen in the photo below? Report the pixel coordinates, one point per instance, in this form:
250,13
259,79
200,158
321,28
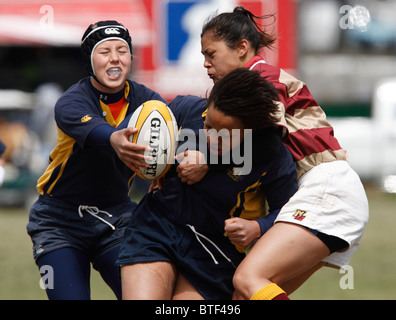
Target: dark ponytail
232,27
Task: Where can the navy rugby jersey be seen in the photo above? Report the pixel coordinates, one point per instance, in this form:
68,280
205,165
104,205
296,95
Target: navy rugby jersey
222,193
79,173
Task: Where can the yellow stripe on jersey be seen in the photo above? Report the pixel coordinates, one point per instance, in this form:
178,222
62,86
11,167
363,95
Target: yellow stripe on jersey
59,155
251,205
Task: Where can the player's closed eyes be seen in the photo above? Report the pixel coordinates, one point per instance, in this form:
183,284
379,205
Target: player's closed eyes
120,51
208,54
123,50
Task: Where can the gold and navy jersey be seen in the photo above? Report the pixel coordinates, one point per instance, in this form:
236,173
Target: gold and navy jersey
87,175
223,192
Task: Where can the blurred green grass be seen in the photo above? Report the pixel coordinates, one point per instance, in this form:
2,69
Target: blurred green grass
373,264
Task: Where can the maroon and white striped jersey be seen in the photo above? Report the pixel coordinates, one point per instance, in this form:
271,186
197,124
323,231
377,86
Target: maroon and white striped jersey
308,135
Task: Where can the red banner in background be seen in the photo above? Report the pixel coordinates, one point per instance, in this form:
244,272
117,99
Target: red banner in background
173,64
63,22
165,33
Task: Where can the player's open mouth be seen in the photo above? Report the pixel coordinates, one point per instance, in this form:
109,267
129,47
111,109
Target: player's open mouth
114,72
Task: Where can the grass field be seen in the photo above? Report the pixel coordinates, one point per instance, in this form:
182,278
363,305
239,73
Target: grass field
374,264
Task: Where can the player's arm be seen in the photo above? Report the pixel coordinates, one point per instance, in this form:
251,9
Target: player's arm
188,110
99,137
242,232
116,140
132,154
193,169
280,184
192,166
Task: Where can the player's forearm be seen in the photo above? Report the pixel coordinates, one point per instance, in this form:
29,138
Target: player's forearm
100,138
268,221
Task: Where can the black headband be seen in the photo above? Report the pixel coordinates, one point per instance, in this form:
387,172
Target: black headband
99,32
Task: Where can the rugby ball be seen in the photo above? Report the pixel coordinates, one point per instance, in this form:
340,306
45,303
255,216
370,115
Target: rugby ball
157,128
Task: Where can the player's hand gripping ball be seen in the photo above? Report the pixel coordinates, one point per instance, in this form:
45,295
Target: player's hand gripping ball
157,128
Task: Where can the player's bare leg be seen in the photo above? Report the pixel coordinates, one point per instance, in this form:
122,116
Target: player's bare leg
294,284
184,290
285,252
148,281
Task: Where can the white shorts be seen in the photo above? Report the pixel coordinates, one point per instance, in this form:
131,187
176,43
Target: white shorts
330,199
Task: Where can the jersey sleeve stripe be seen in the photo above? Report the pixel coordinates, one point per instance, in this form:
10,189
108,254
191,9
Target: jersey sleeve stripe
303,142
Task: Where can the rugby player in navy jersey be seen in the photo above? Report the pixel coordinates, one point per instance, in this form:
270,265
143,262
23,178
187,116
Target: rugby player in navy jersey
175,246
84,203
329,212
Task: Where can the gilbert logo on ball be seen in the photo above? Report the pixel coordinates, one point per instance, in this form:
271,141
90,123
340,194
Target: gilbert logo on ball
157,128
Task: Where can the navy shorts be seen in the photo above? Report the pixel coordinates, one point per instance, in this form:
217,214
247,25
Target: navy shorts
208,261
54,224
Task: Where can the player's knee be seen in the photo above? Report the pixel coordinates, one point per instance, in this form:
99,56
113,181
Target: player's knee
241,282
247,281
